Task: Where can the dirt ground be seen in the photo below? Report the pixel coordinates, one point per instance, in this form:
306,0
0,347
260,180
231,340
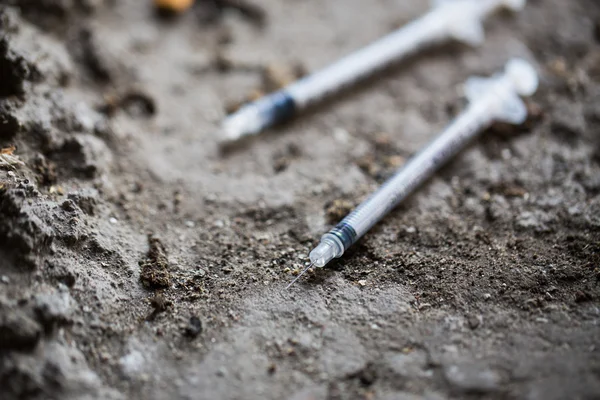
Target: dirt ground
141,260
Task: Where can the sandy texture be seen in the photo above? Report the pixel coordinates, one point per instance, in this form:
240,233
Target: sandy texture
138,260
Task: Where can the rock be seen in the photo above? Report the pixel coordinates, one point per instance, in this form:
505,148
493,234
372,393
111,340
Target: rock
53,309
474,321
14,70
471,377
69,206
132,363
367,376
408,365
498,209
85,155
18,331
24,226
55,371
10,126
86,199
335,358
46,170
533,220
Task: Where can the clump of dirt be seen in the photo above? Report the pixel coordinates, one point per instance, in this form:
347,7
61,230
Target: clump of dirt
14,70
194,327
46,170
154,268
23,227
17,330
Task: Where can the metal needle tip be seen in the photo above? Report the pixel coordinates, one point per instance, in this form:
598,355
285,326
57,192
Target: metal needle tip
299,275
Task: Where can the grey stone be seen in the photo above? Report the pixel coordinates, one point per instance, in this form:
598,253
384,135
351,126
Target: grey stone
18,330
472,377
411,365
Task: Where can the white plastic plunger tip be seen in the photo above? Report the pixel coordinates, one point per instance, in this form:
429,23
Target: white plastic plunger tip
523,76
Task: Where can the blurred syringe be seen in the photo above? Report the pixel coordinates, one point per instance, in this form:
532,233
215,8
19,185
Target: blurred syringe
490,99
449,19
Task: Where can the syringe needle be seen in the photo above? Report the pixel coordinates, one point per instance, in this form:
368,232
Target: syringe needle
299,275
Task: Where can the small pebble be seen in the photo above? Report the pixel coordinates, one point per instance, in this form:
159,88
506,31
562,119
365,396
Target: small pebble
113,220
487,296
190,224
341,135
5,279
194,327
472,378
473,322
362,282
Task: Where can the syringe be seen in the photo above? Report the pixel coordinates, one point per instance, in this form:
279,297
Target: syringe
490,99
449,19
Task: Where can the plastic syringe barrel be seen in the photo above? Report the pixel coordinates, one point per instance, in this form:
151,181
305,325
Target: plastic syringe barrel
492,99
367,61
419,169
416,171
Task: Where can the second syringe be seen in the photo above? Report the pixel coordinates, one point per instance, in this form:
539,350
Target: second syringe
449,19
